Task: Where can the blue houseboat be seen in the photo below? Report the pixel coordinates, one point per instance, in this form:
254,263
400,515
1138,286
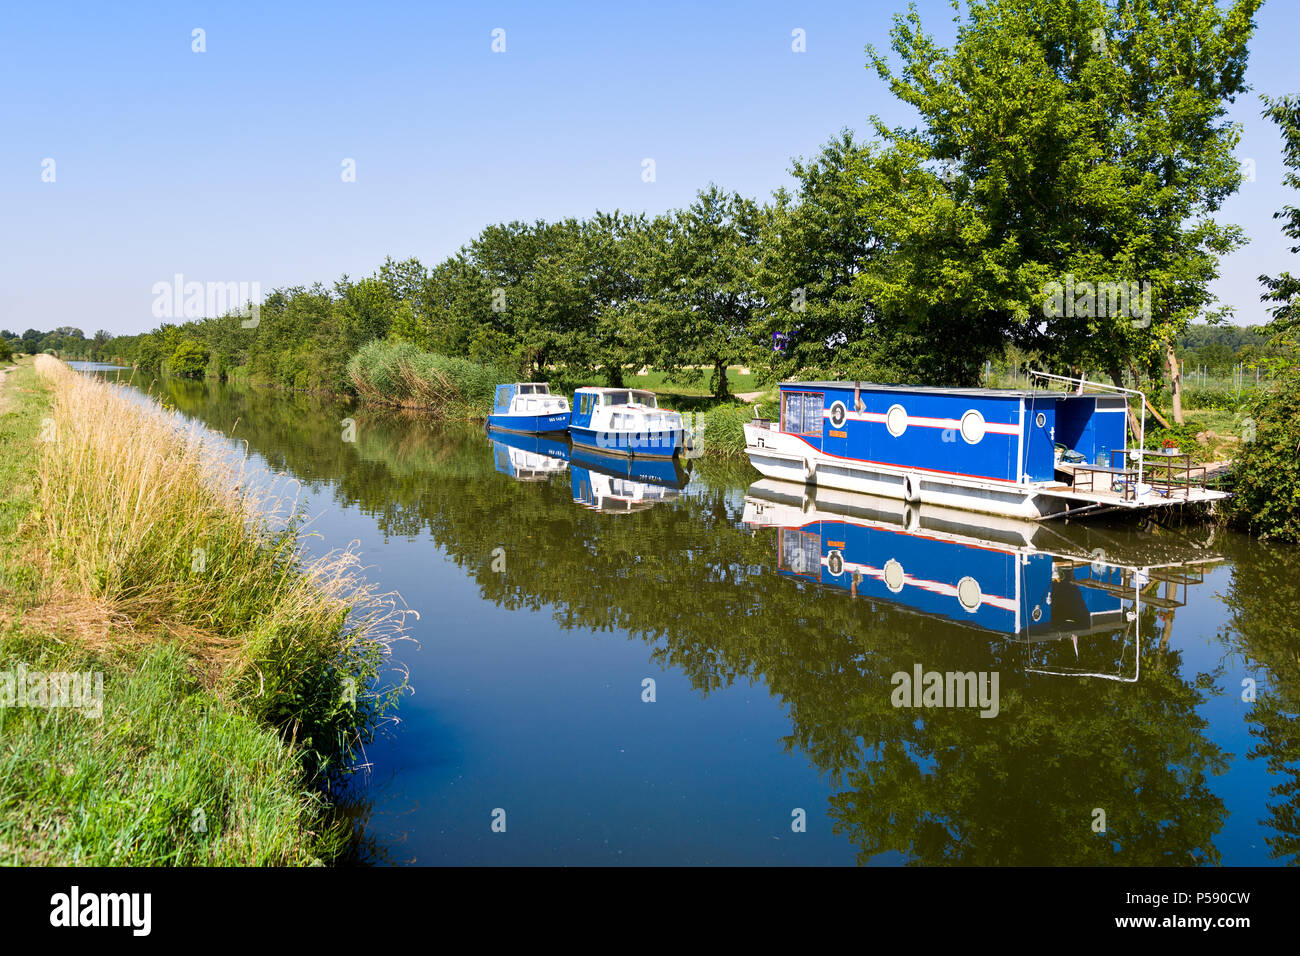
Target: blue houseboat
625,421
529,408
1027,453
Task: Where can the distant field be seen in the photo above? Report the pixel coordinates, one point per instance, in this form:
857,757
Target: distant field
690,396
658,381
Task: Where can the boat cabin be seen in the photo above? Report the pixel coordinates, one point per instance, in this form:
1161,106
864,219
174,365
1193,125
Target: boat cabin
528,398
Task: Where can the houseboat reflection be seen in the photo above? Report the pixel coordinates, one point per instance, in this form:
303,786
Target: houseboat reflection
1071,595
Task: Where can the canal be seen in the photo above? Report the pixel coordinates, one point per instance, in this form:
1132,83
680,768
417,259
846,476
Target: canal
701,668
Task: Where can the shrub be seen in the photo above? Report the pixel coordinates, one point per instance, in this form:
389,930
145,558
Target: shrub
1266,478
190,359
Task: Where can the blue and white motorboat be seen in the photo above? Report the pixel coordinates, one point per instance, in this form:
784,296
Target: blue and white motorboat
529,408
625,421
603,492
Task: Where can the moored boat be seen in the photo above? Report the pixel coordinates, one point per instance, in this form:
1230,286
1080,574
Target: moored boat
529,408
625,421
1027,453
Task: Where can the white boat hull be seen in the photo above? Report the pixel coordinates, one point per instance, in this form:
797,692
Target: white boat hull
786,458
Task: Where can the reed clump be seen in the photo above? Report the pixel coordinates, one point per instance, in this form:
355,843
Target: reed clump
167,529
399,373
721,430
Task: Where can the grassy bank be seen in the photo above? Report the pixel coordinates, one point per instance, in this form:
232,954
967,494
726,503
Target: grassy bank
238,678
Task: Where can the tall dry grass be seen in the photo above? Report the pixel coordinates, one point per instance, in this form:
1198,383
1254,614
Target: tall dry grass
153,518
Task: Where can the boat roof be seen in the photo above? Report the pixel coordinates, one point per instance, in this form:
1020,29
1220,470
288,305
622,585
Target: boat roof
519,384
938,389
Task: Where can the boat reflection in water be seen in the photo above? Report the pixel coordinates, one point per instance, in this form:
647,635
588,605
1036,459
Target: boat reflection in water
618,485
1070,594
528,457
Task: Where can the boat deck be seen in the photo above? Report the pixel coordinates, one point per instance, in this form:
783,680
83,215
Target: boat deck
1163,479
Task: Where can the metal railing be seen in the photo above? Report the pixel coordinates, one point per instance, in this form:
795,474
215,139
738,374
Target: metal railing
1082,382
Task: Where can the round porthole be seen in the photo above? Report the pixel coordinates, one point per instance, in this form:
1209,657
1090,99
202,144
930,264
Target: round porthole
896,420
1036,613
893,575
838,414
972,427
1040,420
835,563
969,594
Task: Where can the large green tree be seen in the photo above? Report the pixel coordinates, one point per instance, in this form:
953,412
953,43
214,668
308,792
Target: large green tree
700,268
1079,141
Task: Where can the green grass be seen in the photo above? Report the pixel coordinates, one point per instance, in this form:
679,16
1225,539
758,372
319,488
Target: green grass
168,775
222,720
663,384
720,430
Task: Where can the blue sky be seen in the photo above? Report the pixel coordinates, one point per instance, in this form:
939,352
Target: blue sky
226,165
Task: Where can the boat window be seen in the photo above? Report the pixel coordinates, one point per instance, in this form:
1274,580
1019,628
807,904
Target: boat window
645,398
893,575
801,412
896,420
614,398
972,427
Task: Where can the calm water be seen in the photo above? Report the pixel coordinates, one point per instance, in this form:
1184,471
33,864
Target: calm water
772,628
